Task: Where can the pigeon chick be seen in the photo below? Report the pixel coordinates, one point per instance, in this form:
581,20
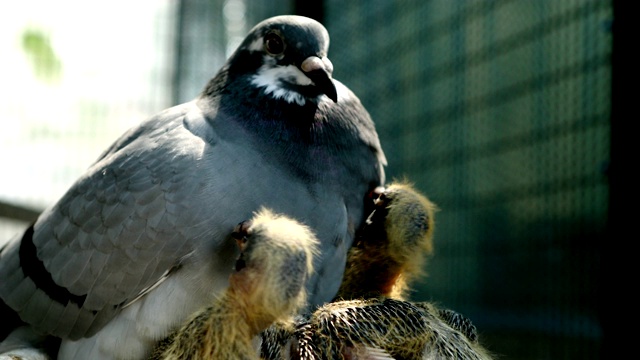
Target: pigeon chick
371,320
392,247
141,240
376,328
391,251
395,328
267,284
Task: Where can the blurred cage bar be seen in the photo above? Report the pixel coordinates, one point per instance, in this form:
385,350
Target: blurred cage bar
500,112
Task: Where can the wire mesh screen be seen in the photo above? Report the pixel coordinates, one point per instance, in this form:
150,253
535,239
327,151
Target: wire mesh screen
208,32
499,111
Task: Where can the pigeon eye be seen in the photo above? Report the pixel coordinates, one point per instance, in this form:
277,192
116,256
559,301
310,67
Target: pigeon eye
273,43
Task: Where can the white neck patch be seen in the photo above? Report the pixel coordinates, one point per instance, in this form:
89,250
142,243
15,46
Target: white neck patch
270,78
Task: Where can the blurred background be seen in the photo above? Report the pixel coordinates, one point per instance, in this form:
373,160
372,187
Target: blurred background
499,110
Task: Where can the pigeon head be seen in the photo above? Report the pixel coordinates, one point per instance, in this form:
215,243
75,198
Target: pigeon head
286,58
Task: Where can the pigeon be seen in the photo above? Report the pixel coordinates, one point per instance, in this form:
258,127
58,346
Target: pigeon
266,285
140,241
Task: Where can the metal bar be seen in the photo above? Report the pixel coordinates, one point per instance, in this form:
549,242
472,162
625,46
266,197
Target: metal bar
18,212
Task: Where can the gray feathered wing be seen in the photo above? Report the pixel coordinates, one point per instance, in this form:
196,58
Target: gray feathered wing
118,230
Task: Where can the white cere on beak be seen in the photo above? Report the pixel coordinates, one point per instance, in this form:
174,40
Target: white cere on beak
311,63
315,63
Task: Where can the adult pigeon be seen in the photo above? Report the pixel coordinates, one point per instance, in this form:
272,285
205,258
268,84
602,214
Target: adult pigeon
141,240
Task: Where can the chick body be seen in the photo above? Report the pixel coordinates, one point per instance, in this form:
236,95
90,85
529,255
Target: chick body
276,259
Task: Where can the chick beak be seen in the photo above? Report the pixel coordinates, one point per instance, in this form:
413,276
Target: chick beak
319,70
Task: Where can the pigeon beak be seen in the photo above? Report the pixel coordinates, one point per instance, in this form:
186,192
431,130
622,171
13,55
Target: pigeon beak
319,71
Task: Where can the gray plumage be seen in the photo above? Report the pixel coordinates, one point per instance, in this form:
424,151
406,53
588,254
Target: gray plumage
140,241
